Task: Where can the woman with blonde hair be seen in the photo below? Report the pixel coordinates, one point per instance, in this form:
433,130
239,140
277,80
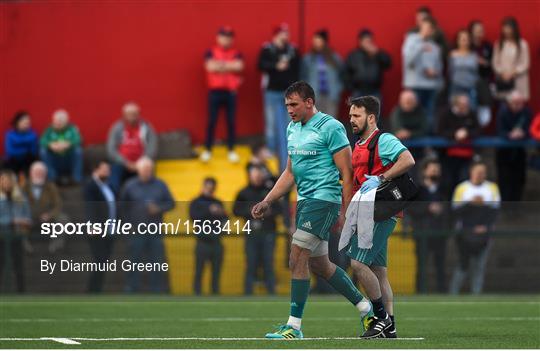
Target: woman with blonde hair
14,223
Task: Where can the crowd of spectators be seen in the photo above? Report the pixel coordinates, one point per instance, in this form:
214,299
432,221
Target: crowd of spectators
448,91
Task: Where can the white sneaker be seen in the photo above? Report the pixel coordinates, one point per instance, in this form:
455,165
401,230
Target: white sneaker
205,156
233,157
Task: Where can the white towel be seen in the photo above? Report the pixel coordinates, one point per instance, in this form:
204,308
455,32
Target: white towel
359,220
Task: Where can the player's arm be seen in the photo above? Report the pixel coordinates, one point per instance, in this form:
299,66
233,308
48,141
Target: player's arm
282,186
404,162
343,161
212,65
236,65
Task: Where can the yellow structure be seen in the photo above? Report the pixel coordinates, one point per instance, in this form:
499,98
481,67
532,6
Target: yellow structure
184,178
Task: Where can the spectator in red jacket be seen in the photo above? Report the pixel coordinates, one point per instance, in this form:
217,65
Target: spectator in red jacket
223,64
129,139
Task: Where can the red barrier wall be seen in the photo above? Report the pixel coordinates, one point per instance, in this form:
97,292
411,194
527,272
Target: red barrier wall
90,57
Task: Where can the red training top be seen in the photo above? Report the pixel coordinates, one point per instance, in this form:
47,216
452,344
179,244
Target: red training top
223,80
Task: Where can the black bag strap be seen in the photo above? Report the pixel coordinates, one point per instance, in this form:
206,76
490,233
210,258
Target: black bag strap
371,147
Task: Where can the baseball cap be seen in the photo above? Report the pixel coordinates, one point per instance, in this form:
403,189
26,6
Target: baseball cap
226,30
282,27
365,32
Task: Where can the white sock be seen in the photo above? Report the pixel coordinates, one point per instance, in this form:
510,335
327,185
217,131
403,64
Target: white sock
294,322
364,307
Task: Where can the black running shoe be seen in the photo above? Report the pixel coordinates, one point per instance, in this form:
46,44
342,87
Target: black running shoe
389,333
377,327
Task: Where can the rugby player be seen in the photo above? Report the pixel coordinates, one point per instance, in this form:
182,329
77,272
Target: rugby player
318,152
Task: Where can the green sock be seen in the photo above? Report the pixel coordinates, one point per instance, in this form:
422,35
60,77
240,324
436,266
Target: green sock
299,295
344,285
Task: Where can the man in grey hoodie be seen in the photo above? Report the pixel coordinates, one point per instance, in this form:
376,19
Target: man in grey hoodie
423,67
129,139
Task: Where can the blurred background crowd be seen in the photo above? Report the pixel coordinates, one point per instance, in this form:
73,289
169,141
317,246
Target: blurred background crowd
464,109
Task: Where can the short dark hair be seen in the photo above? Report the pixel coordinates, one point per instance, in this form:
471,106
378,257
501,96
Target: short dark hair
430,20
323,34
477,162
429,161
370,103
17,118
210,180
303,89
365,32
257,147
424,9
473,23
95,164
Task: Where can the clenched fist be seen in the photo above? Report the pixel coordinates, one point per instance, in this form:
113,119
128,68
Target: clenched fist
259,210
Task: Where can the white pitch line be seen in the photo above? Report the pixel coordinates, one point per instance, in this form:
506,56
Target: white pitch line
232,339
225,302
64,341
249,319
74,340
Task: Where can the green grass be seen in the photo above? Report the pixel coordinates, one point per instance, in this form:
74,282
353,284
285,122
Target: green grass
510,321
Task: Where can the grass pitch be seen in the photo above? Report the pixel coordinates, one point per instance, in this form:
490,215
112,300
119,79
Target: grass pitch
329,322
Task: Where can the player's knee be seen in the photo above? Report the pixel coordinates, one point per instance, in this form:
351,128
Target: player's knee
298,258
358,266
317,268
379,271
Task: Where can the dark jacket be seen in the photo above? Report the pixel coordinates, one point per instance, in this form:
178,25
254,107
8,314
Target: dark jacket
422,218
246,199
484,50
414,121
49,202
96,206
508,120
449,123
136,195
270,56
199,209
365,72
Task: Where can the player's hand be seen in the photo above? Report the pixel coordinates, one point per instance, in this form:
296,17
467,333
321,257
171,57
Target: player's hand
516,134
45,217
508,76
435,208
480,229
461,134
153,209
259,210
131,166
340,223
371,183
292,229
216,210
403,134
430,73
282,65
